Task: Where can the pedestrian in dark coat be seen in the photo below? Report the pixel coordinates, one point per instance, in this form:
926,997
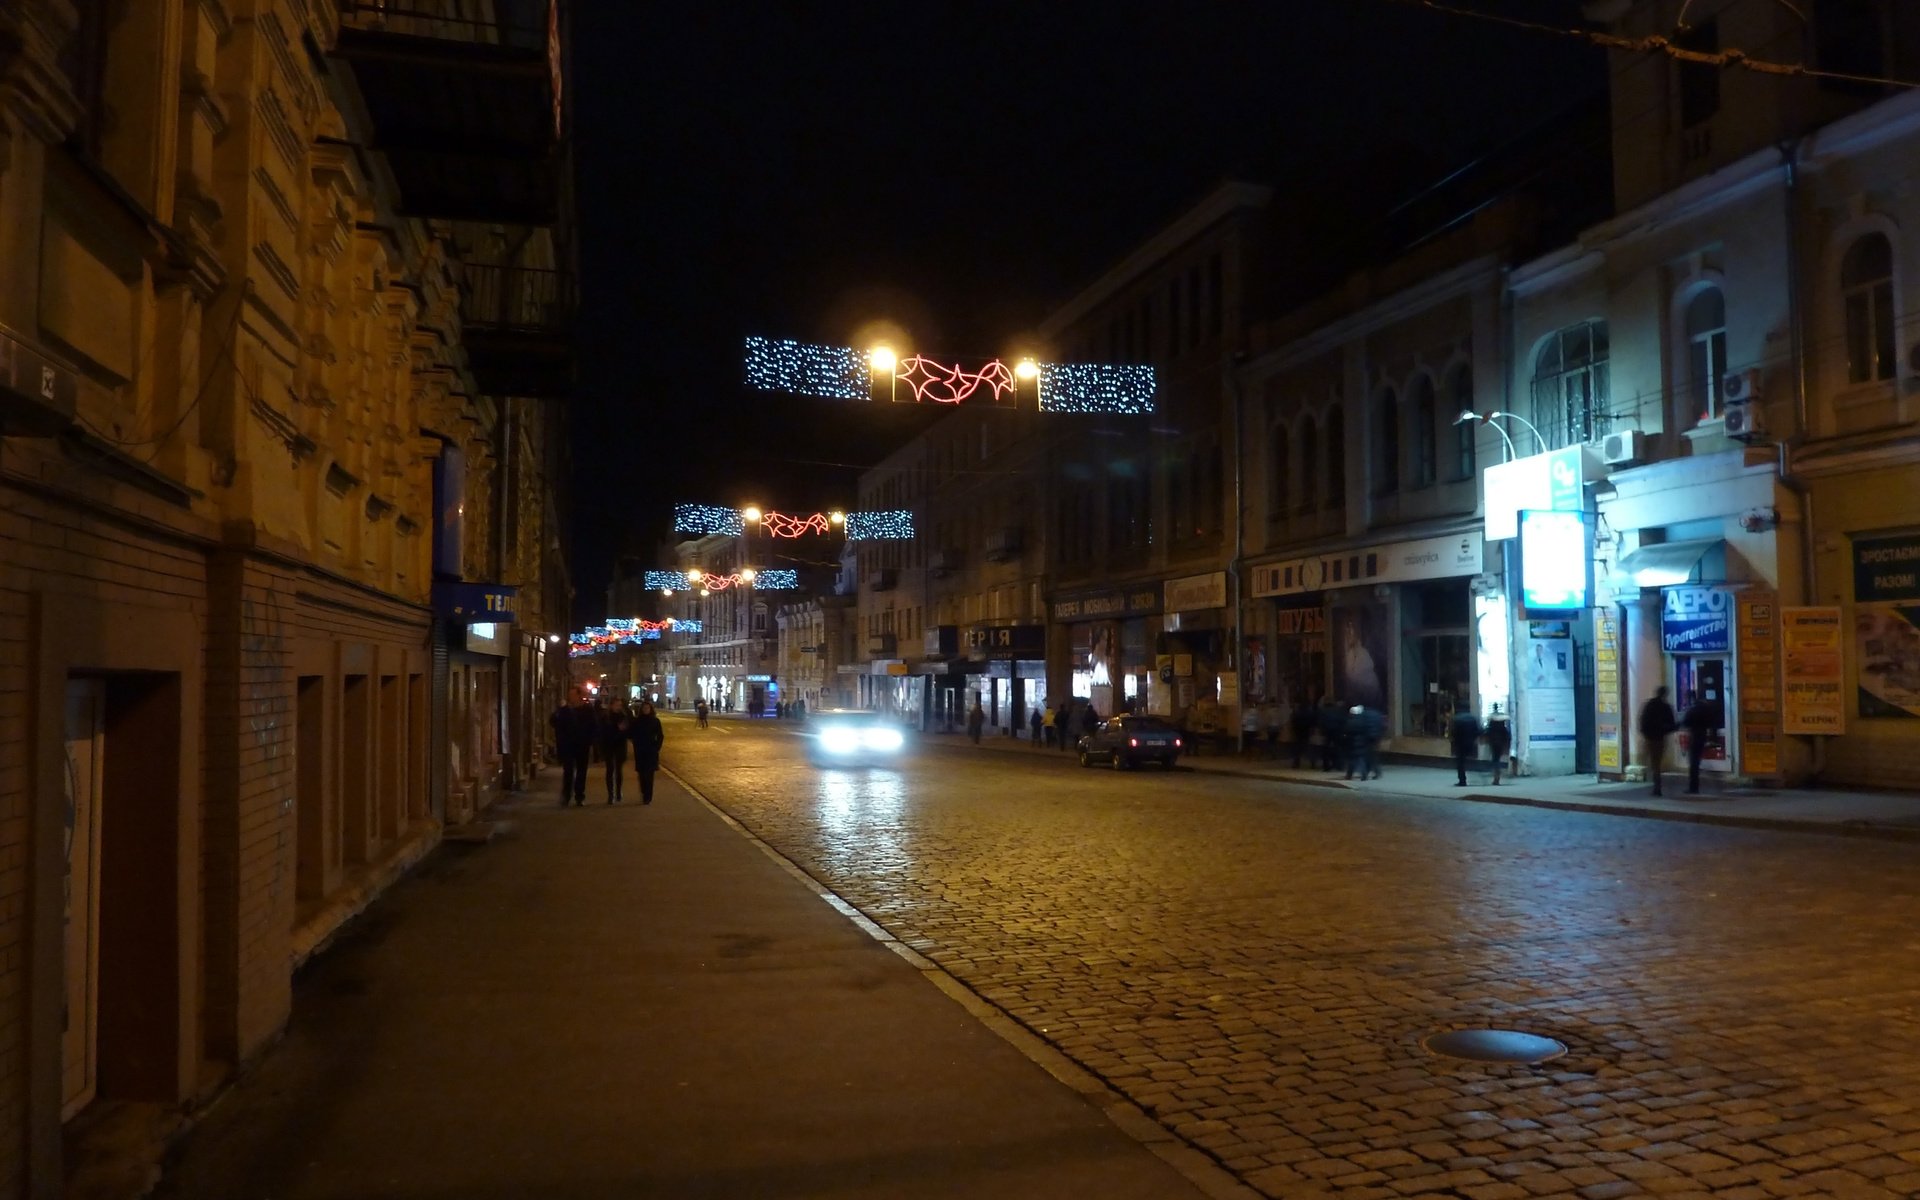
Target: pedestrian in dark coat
976,721
647,737
1656,726
613,749
1701,720
1464,732
1499,740
573,733
1034,723
1333,734
1300,729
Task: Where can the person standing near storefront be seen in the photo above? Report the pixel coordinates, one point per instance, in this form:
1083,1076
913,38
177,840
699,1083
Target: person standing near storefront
1464,732
976,721
1300,728
1701,721
1033,723
648,737
1656,726
1499,740
613,749
573,730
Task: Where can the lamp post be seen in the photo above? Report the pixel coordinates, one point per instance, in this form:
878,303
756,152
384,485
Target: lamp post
1468,416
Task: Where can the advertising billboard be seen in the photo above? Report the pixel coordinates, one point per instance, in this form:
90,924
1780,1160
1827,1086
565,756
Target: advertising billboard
1556,561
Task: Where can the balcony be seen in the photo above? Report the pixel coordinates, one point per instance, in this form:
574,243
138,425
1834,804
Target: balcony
518,324
943,563
885,579
466,101
881,645
1005,544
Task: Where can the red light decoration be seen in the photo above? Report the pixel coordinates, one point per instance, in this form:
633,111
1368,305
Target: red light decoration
937,383
783,525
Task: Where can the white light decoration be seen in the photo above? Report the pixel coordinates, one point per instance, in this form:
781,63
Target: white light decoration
776,579
706,519
1095,388
889,525
666,580
833,372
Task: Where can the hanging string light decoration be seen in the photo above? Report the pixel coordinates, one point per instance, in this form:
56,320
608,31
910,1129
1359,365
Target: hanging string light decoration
707,519
938,383
784,525
625,631
1095,388
834,372
889,525
666,581
776,579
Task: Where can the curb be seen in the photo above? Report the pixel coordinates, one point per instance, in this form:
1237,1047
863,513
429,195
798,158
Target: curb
1190,1162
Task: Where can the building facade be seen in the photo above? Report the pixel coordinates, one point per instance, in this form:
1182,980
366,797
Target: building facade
248,361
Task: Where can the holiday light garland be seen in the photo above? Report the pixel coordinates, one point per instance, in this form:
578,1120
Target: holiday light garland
938,383
666,581
776,579
892,524
834,372
783,525
707,519
625,631
1095,388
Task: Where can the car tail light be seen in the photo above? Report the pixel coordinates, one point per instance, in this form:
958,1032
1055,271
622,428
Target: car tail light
1134,742
1176,743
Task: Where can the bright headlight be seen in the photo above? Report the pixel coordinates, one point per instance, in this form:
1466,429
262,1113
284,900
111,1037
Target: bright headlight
839,741
882,739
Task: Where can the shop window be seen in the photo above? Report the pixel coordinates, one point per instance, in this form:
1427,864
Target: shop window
1460,397
1436,655
1570,383
1386,433
1866,287
1425,451
1705,328
1336,458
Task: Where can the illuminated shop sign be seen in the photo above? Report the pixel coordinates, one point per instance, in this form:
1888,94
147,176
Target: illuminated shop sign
1556,564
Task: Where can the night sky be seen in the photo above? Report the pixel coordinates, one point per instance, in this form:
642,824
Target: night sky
800,169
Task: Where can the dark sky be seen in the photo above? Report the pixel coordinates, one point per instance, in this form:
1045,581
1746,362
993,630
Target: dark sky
799,169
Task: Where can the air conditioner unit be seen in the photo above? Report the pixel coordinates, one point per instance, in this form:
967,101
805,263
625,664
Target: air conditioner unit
1624,448
1744,422
1741,387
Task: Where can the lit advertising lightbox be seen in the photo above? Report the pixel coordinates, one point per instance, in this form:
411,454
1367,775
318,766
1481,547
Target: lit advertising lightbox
1556,563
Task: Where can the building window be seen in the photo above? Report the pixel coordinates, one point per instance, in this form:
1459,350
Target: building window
1705,326
1280,471
1866,288
1425,451
1699,82
1436,654
1386,432
1460,400
1336,458
1309,492
1570,384
1210,505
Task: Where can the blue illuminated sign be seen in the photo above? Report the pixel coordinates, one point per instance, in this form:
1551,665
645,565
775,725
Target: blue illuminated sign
1556,563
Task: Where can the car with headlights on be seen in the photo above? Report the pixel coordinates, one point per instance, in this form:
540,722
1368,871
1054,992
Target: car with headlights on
846,737
1131,739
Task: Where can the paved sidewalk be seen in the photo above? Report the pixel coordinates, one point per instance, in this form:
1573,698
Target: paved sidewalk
1831,811
638,1002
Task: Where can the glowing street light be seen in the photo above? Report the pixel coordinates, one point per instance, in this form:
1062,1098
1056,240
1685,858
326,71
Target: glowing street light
1026,368
750,514
881,358
693,575
746,574
837,517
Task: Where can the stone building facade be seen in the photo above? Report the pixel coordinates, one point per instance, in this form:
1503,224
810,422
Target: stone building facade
248,360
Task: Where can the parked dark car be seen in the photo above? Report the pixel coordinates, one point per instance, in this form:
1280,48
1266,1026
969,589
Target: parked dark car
1131,739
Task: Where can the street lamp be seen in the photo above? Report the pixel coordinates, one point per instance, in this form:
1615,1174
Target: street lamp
1026,368
837,517
693,575
746,574
881,358
750,514
1468,416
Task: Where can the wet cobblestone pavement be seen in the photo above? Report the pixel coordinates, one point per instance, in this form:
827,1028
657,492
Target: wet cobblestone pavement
1256,966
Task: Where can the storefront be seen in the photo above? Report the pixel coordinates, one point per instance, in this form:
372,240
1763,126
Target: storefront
1013,661
1192,656
1100,646
1392,627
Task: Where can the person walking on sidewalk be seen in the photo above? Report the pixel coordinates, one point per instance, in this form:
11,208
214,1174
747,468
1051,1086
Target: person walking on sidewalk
1464,732
573,730
1499,740
700,713
976,721
1300,730
1701,720
1033,723
613,749
1656,726
1333,734
1363,731
648,737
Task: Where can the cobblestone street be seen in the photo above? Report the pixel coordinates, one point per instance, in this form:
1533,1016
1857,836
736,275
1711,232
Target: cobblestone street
1256,966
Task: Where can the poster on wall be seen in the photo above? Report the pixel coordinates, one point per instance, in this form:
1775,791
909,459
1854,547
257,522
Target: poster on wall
1606,690
1256,668
1757,663
1813,698
1886,624
1548,655
1360,654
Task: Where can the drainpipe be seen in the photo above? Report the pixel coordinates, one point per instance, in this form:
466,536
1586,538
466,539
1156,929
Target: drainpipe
1796,320
1238,649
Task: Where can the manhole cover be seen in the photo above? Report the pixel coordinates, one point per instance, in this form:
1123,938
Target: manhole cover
1494,1046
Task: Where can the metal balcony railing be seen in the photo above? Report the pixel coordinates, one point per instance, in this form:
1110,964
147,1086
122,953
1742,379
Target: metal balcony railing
511,24
518,299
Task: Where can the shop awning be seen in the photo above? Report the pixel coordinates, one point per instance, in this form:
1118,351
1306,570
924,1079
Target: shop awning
1664,564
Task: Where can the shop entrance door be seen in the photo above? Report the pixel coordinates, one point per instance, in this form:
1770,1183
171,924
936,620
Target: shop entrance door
1704,677
79,1045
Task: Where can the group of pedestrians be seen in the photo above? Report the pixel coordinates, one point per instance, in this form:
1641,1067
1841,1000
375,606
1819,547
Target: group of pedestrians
580,729
1466,731
1657,723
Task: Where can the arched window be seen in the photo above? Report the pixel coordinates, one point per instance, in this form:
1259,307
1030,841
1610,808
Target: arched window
1425,452
1386,434
1280,471
1309,489
1336,457
1460,400
1866,290
1705,327
1570,383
